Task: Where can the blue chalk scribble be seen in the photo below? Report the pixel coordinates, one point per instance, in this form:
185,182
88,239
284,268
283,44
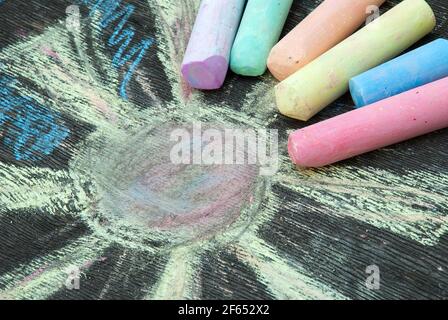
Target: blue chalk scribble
111,11
33,131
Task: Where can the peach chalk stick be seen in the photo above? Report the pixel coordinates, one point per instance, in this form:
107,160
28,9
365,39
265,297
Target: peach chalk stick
396,119
330,23
324,80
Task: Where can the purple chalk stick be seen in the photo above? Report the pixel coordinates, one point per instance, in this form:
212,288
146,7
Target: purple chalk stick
206,61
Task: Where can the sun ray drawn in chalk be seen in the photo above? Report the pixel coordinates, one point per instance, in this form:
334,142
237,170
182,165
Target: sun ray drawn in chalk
45,275
179,280
38,188
385,200
285,280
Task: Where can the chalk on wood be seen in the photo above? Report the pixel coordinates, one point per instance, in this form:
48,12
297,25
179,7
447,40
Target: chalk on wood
260,29
330,23
399,118
416,68
324,80
206,60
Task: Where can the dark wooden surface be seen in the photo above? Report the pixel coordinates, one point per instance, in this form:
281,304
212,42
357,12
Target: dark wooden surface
312,234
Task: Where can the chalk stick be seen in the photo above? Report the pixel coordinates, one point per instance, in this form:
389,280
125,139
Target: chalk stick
414,69
330,23
206,60
324,80
396,119
259,31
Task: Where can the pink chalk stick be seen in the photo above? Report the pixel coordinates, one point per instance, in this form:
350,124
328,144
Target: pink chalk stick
207,57
399,118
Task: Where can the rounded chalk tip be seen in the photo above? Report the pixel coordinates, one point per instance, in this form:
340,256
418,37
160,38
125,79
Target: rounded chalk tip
357,93
304,154
208,74
248,57
247,69
293,148
283,102
441,41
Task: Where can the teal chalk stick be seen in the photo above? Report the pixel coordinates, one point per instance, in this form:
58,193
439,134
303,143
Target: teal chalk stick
259,31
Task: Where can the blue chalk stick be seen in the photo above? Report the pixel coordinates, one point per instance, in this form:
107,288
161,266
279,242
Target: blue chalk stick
419,67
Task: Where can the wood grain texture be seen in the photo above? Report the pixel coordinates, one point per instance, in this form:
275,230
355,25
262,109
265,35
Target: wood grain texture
85,177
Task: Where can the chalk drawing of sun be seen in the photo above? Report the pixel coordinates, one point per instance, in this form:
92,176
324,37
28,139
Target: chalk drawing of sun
155,230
